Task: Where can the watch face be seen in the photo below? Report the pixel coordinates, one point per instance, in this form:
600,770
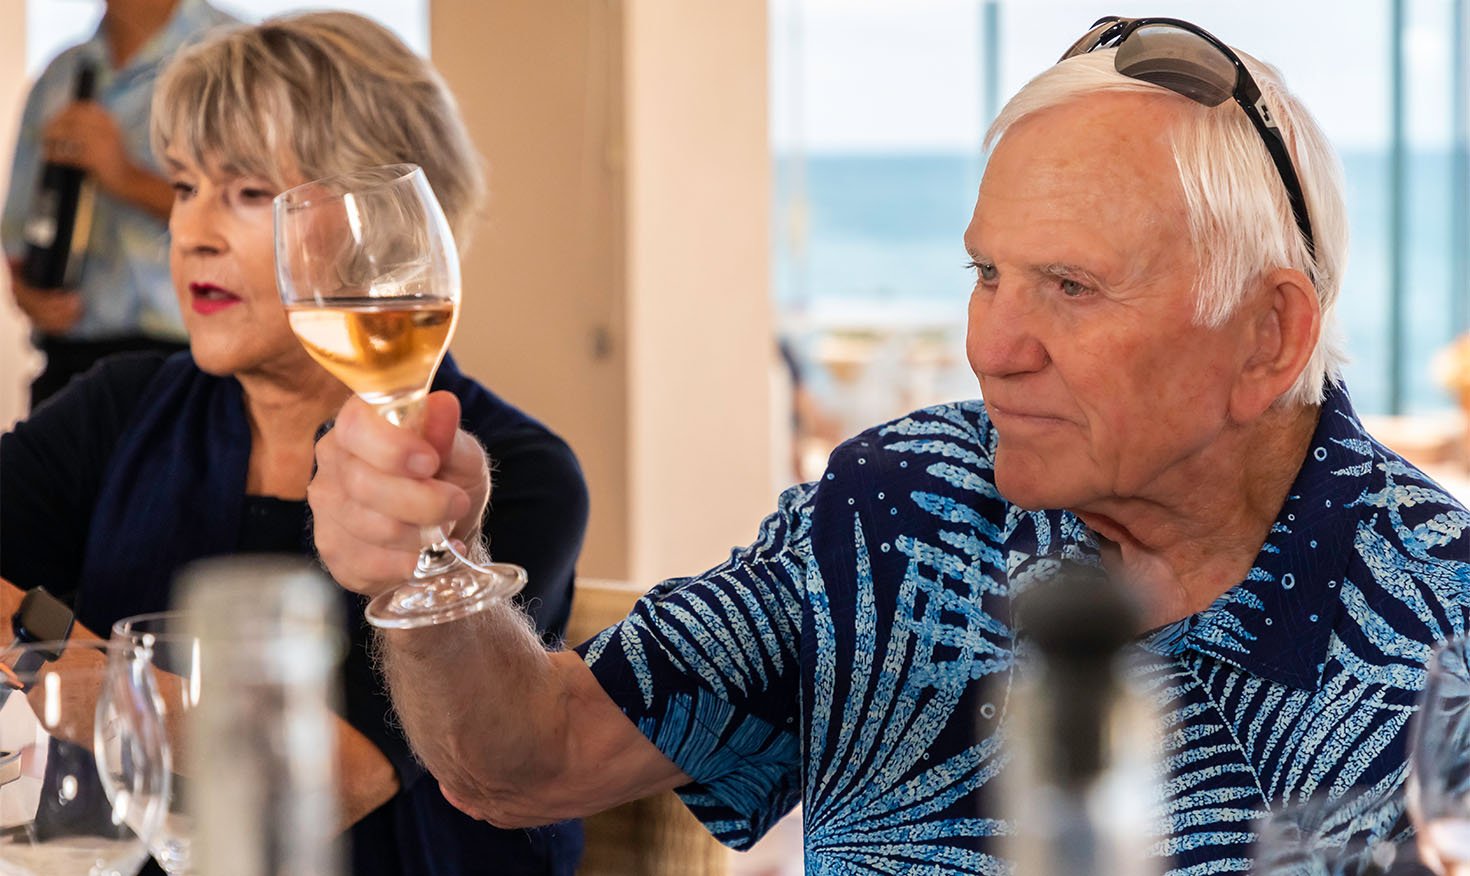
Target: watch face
9,766
42,618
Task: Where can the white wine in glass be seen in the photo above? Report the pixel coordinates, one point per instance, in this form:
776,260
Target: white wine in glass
369,275
384,349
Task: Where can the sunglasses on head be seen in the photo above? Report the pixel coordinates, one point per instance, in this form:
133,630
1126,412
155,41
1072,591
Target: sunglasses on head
1191,62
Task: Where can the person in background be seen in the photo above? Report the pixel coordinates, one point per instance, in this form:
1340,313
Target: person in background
124,300
1153,326
147,463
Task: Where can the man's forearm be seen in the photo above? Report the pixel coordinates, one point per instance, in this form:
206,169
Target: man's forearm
144,189
480,705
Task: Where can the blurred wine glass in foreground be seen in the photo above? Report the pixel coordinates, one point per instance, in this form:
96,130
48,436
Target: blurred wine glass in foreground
80,789
1439,760
1346,835
369,275
165,664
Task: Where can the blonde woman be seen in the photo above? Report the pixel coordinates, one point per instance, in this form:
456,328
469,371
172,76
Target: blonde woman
147,463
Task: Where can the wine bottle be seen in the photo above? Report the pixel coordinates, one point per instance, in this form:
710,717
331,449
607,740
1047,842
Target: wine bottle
1082,790
60,220
261,758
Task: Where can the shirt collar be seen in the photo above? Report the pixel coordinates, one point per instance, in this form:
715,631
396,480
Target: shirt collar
189,19
1278,622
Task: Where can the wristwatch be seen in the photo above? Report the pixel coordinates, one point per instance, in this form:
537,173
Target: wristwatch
9,766
40,618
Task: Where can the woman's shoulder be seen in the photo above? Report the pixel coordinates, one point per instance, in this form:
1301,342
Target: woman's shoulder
113,388
499,424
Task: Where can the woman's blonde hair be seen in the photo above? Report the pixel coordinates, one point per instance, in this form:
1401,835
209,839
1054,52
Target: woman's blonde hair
305,96
1240,220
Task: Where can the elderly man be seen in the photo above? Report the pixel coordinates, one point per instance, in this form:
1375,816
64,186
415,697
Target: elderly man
1152,324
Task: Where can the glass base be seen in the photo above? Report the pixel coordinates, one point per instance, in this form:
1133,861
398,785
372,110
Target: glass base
457,593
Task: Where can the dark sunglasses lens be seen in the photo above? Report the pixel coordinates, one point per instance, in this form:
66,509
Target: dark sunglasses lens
1183,62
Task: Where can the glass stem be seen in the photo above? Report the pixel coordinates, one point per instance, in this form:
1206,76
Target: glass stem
407,412
436,556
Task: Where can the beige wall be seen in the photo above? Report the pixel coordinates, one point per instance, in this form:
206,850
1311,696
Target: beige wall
18,362
543,323
618,289
698,247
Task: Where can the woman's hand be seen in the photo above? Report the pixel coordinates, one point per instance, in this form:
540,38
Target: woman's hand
377,484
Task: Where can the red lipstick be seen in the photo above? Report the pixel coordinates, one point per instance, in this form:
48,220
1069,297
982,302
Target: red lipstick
207,298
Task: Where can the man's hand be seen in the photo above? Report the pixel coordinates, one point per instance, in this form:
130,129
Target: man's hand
52,312
377,485
85,135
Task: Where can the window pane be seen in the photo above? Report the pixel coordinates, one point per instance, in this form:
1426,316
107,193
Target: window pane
878,110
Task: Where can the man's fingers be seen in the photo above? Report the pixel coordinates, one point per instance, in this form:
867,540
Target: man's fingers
369,503
421,502
363,554
362,567
331,507
441,422
386,447
80,134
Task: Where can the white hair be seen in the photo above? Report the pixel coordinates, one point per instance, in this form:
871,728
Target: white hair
1240,220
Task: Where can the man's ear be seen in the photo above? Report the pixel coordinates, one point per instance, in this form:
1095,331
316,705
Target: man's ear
1282,324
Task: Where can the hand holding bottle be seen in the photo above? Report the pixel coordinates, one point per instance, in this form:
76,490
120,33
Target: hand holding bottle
52,312
85,135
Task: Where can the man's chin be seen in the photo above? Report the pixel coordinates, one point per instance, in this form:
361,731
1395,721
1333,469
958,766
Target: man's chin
1029,487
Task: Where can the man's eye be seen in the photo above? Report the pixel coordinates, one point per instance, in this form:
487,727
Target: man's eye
251,193
182,189
1073,289
985,270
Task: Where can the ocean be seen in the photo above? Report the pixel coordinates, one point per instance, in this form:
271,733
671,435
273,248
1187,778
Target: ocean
879,238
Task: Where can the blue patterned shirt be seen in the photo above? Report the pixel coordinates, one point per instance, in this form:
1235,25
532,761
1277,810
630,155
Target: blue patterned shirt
125,285
854,658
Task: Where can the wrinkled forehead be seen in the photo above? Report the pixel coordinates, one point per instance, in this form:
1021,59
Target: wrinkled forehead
1084,186
1109,143
1109,158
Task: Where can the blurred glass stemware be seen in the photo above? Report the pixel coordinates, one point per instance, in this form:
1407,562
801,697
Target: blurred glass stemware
80,789
1347,835
166,664
1439,760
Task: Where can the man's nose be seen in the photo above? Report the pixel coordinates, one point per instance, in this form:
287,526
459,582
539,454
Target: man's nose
1005,335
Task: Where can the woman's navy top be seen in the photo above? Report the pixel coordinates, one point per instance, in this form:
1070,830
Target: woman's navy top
139,467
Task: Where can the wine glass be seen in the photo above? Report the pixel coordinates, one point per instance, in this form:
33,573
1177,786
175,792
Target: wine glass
369,276
1325,835
1439,758
79,794
165,663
